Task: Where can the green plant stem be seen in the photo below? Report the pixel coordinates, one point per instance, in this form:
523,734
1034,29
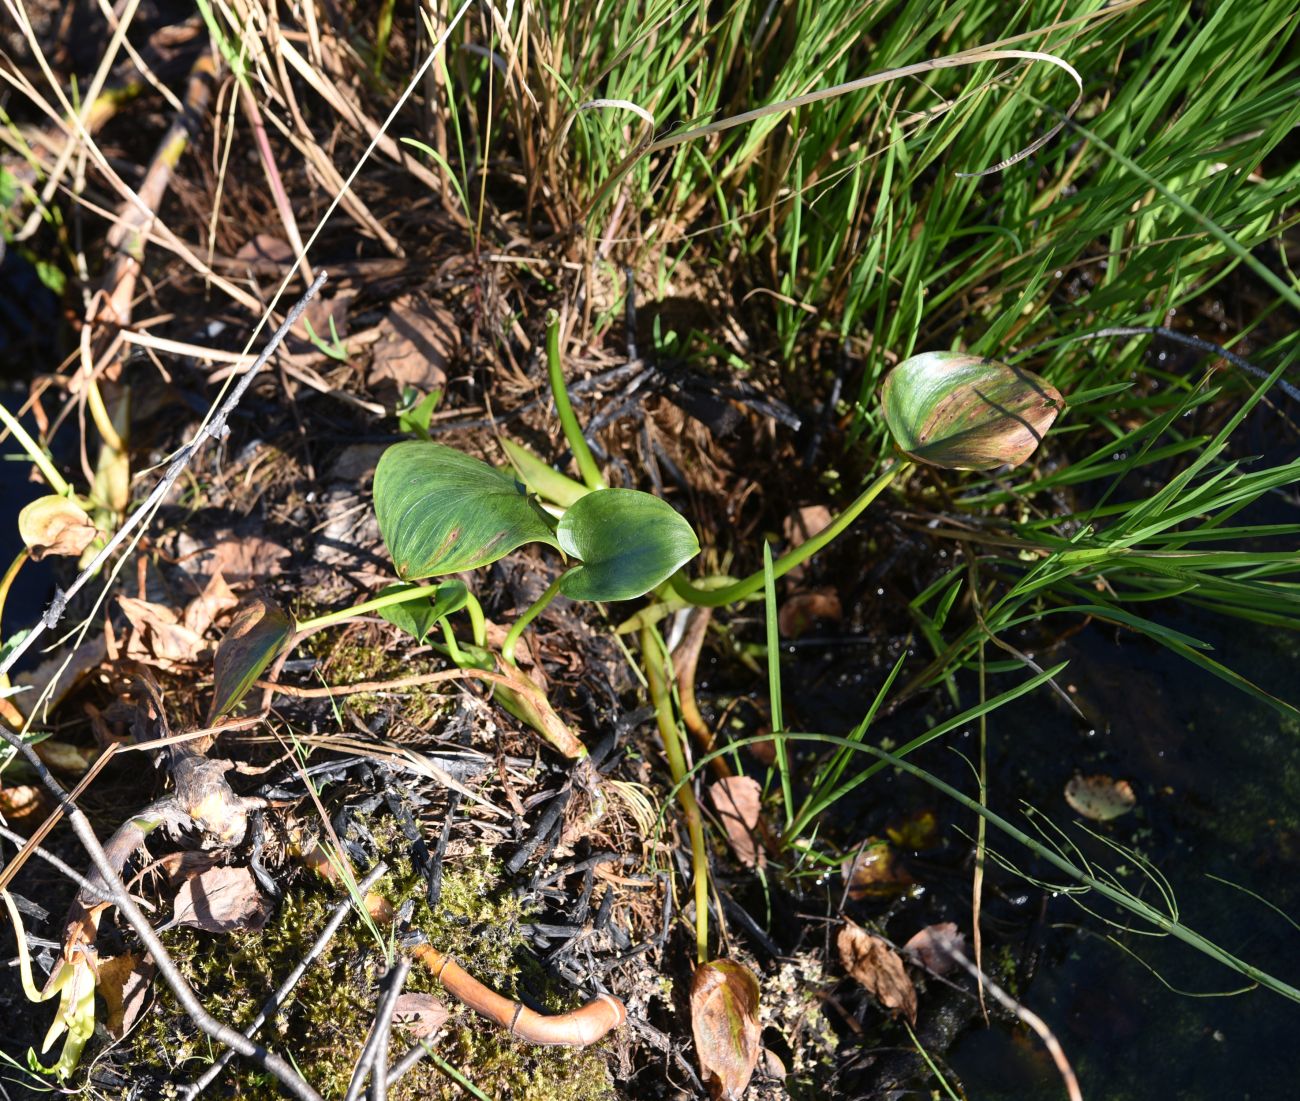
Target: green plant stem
453,649
329,619
564,410
739,590
477,624
653,659
533,611
34,451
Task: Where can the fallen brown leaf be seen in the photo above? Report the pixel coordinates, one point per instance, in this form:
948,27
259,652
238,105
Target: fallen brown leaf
422,1015
1100,797
239,558
55,525
801,611
800,526
874,871
264,249
878,968
724,1020
24,807
216,599
220,900
158,637
930,946
124,983
417,341
737,801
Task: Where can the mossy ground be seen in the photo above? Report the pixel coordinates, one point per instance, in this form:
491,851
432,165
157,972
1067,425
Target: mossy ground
326,1019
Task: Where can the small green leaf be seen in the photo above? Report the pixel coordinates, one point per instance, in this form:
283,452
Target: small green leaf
417,617
628,543
415,412
440,511
961,412
256,636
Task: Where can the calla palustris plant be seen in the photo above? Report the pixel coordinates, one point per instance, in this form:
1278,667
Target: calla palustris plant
441,511
961,412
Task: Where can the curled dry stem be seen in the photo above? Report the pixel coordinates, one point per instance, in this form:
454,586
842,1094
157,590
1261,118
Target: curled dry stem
578,1028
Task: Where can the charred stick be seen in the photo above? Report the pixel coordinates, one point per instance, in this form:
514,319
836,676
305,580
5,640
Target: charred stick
546,822
440,853
374,1052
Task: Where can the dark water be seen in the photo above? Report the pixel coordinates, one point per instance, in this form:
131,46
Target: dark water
28,321
1218,781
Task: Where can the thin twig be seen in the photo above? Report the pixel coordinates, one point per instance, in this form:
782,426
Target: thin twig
406,1062
950,946
372,1053
214,429
276,1000
87,888
167,968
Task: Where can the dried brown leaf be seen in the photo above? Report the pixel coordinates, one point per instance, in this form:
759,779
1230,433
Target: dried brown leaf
216,598
1100,798
931,946
724,1020
878,968
239,558
263,249
737,799
801,611
55,525
801,526
220,900
159,638
24,807
422,1015
417,341
874,871
124,983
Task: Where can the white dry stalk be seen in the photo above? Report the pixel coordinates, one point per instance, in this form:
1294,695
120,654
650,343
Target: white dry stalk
950,946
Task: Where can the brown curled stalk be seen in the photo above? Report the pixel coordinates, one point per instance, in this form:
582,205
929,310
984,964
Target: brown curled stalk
686,659
577,1028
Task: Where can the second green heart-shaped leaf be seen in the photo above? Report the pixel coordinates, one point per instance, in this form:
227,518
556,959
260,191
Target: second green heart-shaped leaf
627,541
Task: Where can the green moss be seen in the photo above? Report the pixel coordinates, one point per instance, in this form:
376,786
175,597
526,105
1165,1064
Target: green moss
330,1011
351,657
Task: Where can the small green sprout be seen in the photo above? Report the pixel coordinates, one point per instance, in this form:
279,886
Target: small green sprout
334,347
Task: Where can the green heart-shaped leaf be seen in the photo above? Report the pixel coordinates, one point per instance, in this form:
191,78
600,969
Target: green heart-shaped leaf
417,617
440,511
961,412
256,636
628,543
